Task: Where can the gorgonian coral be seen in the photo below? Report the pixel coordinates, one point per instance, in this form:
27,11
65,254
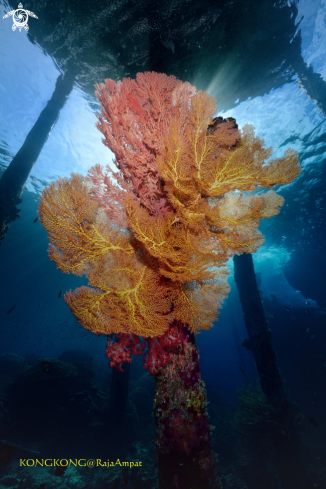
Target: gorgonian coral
154,242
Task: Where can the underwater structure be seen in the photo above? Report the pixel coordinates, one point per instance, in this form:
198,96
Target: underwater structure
14,178
154,243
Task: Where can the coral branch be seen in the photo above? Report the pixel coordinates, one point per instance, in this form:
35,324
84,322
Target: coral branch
120,348
154,237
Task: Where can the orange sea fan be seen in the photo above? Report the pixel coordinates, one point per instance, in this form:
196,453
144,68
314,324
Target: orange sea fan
127,298
78,230
155,242
198,302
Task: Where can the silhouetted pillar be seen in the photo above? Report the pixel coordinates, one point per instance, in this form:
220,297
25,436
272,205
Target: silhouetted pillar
312,82
15,176
118,407
156,48
287,438
260,339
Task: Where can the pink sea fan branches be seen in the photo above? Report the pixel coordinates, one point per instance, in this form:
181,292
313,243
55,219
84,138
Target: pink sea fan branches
134,116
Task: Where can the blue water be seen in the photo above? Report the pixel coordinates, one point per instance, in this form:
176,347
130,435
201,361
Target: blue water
290,267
